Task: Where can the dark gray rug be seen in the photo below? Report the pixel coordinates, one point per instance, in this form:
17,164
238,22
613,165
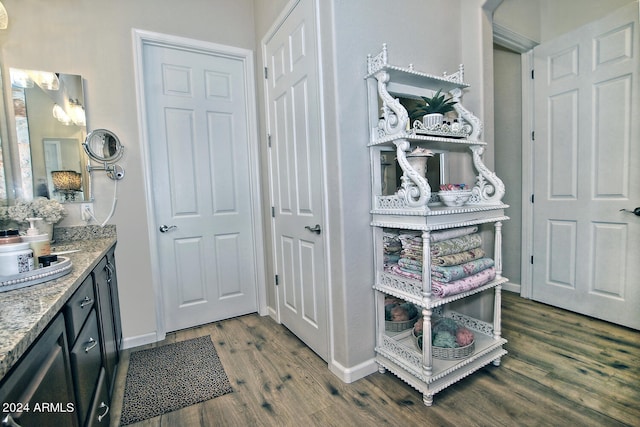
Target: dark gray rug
170,377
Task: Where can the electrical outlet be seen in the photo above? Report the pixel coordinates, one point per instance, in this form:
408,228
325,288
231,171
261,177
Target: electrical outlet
86,210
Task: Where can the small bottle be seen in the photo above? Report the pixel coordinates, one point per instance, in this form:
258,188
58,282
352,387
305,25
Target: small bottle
10,236
40,243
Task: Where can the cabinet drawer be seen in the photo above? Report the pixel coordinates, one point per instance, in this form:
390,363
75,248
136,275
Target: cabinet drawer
41,377
78,308
86,362
99,414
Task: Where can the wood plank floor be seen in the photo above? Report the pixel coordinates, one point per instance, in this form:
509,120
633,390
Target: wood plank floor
563,369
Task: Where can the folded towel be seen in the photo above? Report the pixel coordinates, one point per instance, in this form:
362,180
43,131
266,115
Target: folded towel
459,258
456,272
396,269
456,245
438,236
468,283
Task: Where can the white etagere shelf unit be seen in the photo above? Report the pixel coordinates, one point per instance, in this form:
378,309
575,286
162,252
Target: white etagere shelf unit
414,207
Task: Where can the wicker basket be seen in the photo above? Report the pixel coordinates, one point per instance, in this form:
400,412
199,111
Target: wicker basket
447,353
399,326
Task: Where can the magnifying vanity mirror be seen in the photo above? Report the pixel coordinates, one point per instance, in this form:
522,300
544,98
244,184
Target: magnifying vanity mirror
104,146
42,151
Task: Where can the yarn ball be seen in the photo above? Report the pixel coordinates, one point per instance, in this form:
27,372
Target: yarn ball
444,340
417,327
399,314
444,324
412,310
464,336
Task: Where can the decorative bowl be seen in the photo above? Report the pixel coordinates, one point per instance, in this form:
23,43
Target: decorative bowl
454,198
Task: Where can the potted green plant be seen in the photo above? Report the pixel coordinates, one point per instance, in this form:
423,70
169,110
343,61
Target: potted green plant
434,109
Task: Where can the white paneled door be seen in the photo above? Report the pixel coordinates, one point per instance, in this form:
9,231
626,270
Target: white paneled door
587,170
198,133
296,165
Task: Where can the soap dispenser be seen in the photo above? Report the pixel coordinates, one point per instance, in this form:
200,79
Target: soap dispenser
40,243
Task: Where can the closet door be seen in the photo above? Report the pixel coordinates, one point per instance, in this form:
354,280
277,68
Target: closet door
293,96
587,170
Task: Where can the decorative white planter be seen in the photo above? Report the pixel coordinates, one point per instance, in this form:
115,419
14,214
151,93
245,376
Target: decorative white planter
430,120
419,163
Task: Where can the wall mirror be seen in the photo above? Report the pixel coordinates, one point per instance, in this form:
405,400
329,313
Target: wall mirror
42,151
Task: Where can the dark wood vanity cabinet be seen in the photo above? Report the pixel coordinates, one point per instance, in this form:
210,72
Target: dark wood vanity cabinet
73,363
39,391
106,289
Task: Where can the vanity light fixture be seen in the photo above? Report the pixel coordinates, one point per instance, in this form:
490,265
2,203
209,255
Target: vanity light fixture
61,115
4,18
46,79
77,112
20,78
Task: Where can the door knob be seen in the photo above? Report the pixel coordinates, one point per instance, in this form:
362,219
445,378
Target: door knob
315,229
165,228
636,211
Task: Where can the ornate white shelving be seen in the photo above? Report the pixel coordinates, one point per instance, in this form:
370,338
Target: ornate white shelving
413,207
392,126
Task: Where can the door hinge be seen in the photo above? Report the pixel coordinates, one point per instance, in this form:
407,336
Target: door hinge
533,198
533,135
277,280
273,211
269,140
266,73
531,259
533,74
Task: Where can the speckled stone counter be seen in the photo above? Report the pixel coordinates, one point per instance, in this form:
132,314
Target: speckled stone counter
25,313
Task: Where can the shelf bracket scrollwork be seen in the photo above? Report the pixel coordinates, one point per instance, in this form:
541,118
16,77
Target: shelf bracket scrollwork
394,116
476,123
489,189
414,190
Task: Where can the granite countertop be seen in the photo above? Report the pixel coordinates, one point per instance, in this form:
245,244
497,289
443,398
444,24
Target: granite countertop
25,313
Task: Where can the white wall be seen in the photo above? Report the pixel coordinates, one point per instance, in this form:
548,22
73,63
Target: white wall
93,38
508,142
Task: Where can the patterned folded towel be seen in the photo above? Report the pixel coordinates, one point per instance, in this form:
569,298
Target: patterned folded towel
459,258
456,272
438,236
396,269
410,264
456,245
468,283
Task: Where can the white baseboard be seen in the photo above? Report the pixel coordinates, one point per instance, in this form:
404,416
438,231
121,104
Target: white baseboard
132,342
349,375
512,287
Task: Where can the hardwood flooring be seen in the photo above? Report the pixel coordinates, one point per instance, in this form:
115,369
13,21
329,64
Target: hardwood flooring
563,369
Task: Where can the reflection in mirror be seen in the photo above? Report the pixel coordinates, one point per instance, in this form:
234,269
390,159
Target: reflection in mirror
50,126
103,146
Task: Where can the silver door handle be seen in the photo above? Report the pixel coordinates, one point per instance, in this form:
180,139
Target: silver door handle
315,229
165,228
636,211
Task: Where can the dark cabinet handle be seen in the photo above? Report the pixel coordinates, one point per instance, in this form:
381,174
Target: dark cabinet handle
103,406
85,302
92,343
8,421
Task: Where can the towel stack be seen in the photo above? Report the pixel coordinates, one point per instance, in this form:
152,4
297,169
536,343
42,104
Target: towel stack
391,247
458,263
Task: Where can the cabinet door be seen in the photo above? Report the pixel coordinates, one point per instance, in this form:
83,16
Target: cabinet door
86,362
111,267
40,384
99,415
102,284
